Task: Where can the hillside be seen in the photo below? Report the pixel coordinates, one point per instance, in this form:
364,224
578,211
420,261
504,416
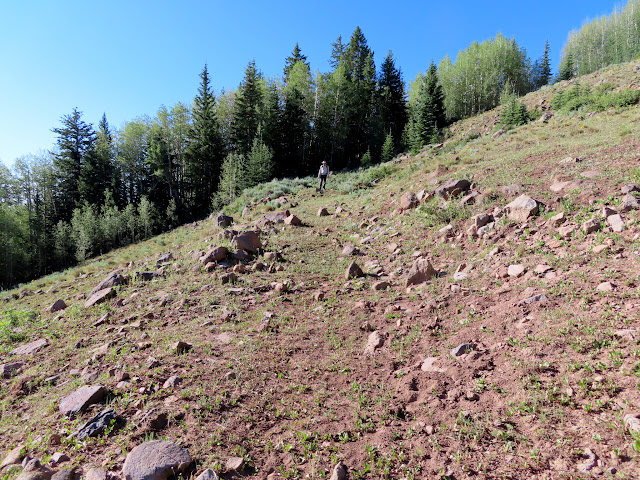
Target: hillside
519,360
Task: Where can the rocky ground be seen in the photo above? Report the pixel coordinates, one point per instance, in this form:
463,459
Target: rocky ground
473,314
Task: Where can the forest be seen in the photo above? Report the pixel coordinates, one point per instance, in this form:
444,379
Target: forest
100,188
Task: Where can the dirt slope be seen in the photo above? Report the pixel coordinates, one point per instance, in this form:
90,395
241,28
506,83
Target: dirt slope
276,370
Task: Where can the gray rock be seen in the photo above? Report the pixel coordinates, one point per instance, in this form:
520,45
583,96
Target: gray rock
33,470
515,270
64,474
452,188
58,458
374,341
429,365
273,217
381,285
408,201
95,474
240,255
629,188
112,280
349,249
339,472
57,306
146,276
323,212
14,457
557,220
421,271
166,258
616,222
591,226
632,422
629,202
234,464
81,399
463,348
155,460
97,424
9,369
172,382
353,271
248,240
224,221
100,296
541,297
214,255
208,474
522,208
31,347
293,220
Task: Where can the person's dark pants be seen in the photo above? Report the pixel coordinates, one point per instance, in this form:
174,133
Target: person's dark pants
323,182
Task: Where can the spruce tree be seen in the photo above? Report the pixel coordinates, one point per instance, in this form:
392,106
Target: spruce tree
204,152
75,141
387,148
427,110
393,109
295,57
99,172
246,115
566,71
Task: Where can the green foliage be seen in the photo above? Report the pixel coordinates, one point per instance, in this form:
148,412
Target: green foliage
602,42
474,82
259,164
11,325
232,180
387,148
426,106
365,161
583,98
514,112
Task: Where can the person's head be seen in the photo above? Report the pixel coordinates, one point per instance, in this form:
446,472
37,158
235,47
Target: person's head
324,163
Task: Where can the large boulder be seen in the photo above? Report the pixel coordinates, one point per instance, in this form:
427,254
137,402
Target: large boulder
155,460
420,272
522,208
224,221
353,271
453,188
100,296
409,201
214,255
248,240
81,399
273,217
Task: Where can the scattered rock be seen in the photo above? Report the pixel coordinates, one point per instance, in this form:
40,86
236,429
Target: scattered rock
81,399
339,472
463,348
14,457
58,457
234,464
100,296
228,278
382,285
323,212
31,347
57,306
452,188
95,474
429,365
172,382
630,188
629,202
606,287
64,474
408,201
181,347
208,474
7,370
542,269
224,221
567,230
541,297
293,220
515,270
591,226
421,271
273,217
155,460
248,240
616,222
349,249
112,280
481,219
557,220
632,422
374,341
33,470
353,271
318,296
569,160
590,461
522,208
214,255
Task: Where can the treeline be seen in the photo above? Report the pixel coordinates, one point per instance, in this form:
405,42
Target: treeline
101,188
602,42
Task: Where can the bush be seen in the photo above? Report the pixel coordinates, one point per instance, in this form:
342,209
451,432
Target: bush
514,113
604,97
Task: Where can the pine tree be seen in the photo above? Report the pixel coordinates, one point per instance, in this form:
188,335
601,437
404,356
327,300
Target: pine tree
233,180
388,150
205,151
247,107
259,164
75,141
427,109
99,172
566,71
541,70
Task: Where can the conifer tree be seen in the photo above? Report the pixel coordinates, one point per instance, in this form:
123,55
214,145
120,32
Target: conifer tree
388,150
427,109
75,142
295,57
393,109
99,170
259,164
246,115
204,152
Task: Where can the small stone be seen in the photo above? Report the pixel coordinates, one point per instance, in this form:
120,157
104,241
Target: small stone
600,248
172,382
353,271
323,212
515,270
339,472
208,474
616,222
293,221
374,341
591,226
557,220
421,271
234,464
29,348
567,230
606,287
57,306
181,347
7,370
429,365
629,202
463,348
58,458
382,285
14,457
318,296
408,201
522,208
541,297
632,422
542,269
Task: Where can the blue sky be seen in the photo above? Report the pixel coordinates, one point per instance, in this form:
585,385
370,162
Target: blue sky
126,58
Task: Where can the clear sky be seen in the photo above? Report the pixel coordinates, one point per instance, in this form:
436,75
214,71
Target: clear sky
126,58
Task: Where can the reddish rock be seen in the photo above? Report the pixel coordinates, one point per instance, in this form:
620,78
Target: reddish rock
408,201
214,255
522,208
353,271
31,347
155,460
100,296
293,220
420,272
248,240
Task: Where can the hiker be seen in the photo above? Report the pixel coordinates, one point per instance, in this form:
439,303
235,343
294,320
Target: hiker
322,175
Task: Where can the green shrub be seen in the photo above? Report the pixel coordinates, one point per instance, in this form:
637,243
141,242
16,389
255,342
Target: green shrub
604,97
11,323
514,113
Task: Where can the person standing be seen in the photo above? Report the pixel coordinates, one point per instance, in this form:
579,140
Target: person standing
322,175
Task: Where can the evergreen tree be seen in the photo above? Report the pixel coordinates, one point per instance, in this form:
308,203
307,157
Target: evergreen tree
427,109
295,57
204,152
393,109
337,53
232,180
566,70
247,108
259,164
388,150
75,142
99,171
